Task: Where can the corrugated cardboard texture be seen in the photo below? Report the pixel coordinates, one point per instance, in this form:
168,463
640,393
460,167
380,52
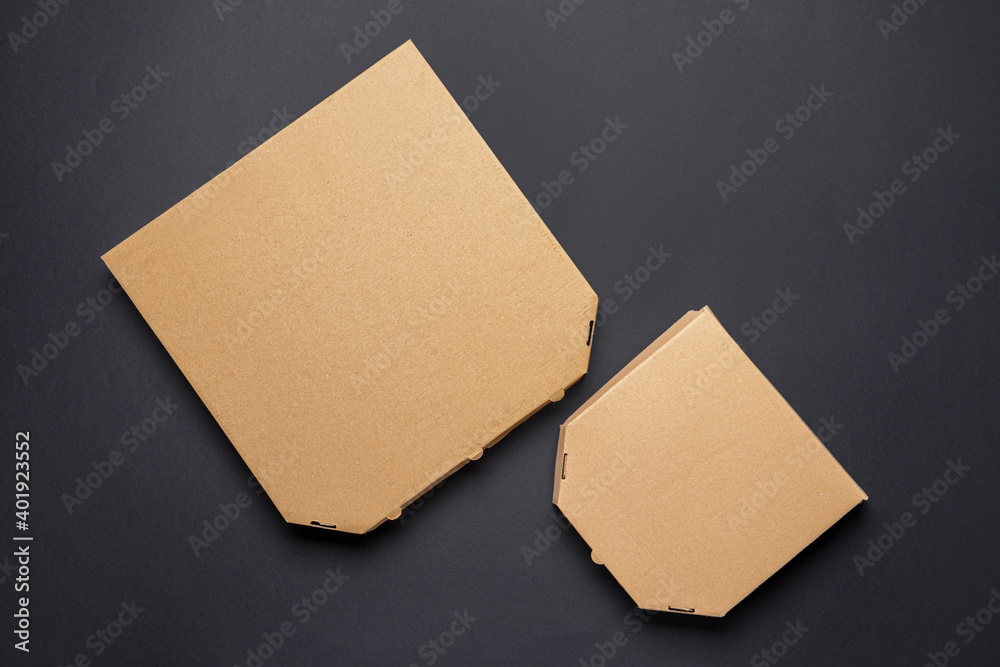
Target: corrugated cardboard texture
366,301
691,478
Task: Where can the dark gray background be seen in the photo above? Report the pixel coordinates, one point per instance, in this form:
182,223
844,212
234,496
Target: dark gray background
461,550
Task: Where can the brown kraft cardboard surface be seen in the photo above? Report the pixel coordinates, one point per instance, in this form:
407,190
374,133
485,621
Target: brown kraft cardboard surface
691,478
365,302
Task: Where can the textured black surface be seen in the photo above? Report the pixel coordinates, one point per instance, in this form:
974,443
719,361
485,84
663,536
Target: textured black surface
461,550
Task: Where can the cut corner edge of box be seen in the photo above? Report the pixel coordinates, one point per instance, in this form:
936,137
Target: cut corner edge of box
704,612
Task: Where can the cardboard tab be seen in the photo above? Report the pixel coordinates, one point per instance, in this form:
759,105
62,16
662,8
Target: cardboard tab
365,302
691,478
